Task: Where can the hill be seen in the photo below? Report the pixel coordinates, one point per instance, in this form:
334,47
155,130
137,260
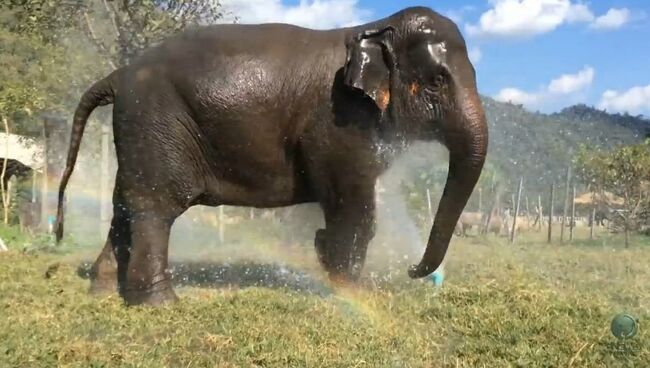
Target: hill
539,146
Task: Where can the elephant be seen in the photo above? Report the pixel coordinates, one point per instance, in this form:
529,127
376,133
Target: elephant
14,167
27,206
469,219
273,115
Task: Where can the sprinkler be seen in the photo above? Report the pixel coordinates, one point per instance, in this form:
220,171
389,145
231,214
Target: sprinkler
437,276
624,326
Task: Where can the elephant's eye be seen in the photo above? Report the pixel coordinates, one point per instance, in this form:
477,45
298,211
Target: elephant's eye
438,52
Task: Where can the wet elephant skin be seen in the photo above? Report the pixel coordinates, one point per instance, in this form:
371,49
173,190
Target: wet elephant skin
274,115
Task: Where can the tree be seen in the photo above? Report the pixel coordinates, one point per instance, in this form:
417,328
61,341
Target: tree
118,29
624,172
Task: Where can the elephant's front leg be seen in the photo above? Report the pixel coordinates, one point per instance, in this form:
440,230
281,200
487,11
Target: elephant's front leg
350,226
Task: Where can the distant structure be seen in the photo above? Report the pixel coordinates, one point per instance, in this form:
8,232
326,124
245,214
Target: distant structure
44,160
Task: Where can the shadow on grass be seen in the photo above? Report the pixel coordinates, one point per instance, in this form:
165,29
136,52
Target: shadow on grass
239,275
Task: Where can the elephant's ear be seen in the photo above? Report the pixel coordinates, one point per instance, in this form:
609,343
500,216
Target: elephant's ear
368,65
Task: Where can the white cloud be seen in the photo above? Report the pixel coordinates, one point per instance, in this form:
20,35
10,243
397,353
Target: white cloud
614,18
564,86
319,14
457,15
635,100
524,18
569,83
527,18
475,54
517,96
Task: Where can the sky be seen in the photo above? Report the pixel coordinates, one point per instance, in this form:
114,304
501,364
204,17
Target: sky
544,54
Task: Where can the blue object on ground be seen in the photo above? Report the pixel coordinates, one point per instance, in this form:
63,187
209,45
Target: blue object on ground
437,277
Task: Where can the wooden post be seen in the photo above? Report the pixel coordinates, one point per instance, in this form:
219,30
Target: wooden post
573,213
550,213
566,203
33,199
527,211
593,221
541,213
44,176
514,220
105,196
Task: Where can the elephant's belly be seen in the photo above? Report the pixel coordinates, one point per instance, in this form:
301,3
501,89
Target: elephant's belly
262,183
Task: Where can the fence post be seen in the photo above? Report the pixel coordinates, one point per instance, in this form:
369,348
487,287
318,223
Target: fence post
541,213
44,176
514,220
573,213
593,219
566,203
550,213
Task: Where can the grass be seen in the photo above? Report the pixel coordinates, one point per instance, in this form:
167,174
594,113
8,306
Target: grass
523,305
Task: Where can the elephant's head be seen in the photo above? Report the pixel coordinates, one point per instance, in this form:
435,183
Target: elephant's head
415,71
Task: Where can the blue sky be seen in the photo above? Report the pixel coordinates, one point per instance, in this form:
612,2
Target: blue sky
545,54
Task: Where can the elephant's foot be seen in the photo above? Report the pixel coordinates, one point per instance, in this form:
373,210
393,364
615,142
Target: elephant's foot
337,262
343,279
102,287
154,297
103,278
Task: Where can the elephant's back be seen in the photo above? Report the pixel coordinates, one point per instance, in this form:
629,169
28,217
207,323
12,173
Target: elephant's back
267,75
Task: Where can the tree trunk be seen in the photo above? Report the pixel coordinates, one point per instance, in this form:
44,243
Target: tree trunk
5,191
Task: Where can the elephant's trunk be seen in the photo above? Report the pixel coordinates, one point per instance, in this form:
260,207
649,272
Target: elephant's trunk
466,138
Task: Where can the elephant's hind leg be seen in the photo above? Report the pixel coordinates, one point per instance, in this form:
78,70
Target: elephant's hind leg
144,277
103,274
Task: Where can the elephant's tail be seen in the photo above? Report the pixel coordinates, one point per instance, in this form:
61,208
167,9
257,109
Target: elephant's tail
100,94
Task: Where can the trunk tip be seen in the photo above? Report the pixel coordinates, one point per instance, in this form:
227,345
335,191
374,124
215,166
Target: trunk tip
421,270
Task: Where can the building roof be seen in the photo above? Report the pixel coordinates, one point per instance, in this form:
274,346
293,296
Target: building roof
24,149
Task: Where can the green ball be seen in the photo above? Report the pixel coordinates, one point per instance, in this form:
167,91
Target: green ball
624,326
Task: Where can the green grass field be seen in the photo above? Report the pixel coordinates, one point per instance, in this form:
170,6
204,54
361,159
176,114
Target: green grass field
523,305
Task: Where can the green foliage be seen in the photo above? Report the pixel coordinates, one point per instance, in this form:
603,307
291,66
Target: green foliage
52,50
539,147
118,29
624,172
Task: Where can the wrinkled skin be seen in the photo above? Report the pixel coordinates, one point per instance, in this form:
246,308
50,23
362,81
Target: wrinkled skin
238,115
